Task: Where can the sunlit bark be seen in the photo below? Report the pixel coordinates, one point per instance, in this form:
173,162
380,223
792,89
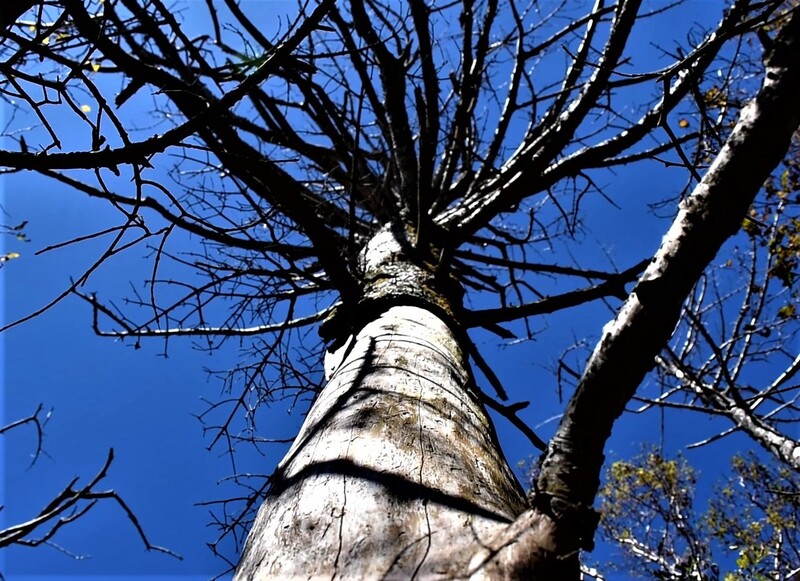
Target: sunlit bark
713,213
359,116
396,471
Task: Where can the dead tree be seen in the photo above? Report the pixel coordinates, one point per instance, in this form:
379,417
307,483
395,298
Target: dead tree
371,170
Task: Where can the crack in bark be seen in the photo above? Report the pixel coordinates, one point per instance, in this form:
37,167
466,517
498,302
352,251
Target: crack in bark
405,391
421,483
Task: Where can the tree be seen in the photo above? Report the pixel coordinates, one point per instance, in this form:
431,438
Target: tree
360,173
731,353
69,505
648,510
647,503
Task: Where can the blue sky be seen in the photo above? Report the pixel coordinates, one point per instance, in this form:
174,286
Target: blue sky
106,394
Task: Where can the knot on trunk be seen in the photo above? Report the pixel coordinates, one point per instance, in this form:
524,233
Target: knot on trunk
567,484
573,518
392,272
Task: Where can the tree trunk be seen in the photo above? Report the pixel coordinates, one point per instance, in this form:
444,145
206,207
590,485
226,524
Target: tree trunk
396,472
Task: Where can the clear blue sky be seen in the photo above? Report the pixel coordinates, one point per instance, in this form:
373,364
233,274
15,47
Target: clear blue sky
106,394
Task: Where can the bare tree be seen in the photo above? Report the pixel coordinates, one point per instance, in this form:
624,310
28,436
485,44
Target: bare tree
731,354
67,506
377,170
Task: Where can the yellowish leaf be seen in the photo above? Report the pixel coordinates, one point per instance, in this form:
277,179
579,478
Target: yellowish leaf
683,124
86,108
787,311
95,66
12,255
46,40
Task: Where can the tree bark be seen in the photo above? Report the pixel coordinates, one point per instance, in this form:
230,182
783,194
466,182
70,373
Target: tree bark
397,472
643,326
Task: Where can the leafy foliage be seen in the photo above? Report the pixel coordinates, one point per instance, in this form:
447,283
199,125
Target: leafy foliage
782,209
756,514
18,232
648,507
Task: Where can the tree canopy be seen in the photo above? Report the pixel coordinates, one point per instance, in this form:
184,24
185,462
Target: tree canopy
484,136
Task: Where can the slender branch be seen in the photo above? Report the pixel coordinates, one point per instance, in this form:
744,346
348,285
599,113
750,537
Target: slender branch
611,287
65,508
534,155
11,10
203,331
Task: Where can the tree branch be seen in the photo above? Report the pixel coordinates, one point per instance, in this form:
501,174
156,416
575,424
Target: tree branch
713,213
611,287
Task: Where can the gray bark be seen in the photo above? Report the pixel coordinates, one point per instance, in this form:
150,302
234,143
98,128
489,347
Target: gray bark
706,219
396,472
